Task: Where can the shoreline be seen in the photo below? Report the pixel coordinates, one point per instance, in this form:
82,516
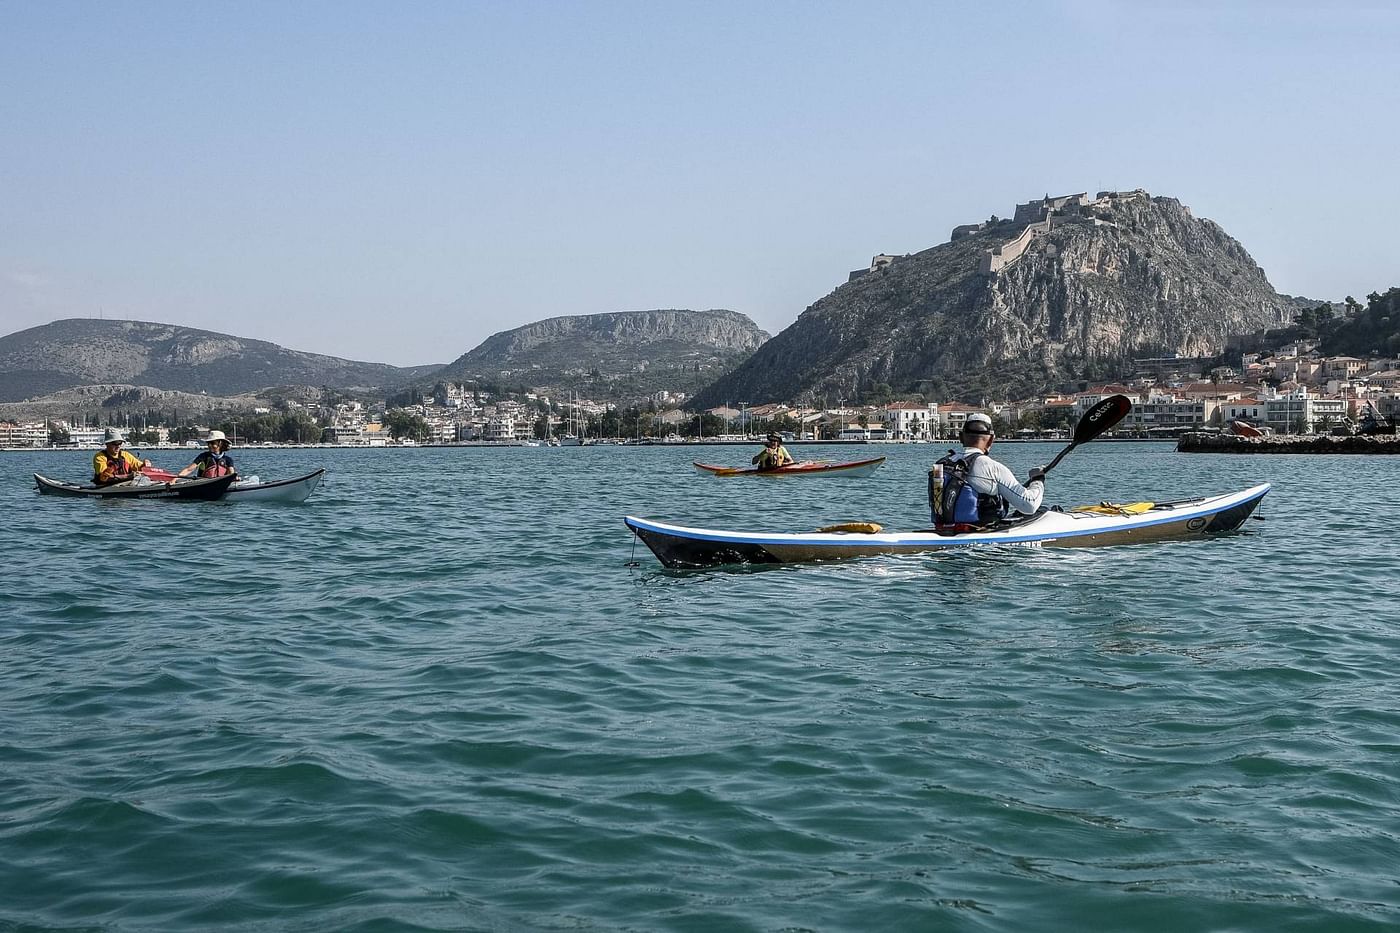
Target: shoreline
756,442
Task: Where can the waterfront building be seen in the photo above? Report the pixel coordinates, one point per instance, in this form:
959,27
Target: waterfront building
1300,412
951,417
873,431
1242,409
906,421
499,428
23,434
1169,414
86,437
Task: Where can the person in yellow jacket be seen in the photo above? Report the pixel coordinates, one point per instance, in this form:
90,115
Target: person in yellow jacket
773,455
112,465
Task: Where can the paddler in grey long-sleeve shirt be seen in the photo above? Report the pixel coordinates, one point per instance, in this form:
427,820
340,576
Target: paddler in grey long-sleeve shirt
978,491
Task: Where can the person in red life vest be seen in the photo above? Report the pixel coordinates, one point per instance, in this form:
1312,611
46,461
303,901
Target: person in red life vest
112,465
213,462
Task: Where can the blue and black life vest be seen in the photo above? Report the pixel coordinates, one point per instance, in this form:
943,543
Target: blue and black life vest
956,505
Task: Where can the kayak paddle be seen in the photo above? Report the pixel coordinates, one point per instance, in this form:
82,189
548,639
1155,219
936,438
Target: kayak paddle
1104,415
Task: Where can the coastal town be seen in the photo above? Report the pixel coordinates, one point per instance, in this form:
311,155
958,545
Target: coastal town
1291,391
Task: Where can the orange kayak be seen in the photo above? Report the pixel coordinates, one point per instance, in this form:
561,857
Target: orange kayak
800,468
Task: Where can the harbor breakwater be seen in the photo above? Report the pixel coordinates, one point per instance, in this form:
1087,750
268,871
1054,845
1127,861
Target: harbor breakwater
1200,443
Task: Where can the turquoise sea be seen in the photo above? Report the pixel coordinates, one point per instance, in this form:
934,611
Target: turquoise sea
436,696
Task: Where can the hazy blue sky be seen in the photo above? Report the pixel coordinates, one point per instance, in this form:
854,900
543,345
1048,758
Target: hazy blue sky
397,181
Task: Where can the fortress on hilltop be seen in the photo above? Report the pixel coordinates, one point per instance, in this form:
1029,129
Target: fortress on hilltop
1043,215
1036,218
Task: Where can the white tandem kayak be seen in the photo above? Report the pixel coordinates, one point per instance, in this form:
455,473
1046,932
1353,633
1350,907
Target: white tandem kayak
681,547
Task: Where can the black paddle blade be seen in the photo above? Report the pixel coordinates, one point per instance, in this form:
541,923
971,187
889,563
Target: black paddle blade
1101,417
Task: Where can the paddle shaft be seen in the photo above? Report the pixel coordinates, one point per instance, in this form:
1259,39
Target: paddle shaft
1059,456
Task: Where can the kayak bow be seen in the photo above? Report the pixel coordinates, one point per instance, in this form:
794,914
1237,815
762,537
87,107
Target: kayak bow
282,490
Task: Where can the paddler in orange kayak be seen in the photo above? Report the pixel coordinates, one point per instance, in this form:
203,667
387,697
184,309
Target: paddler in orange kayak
773,455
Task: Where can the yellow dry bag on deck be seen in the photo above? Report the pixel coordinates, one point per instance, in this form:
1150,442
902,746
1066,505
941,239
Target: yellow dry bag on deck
1113,508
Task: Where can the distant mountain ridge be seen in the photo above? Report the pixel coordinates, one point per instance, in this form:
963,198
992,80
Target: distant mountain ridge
618,346
83,351
113,401
1071,288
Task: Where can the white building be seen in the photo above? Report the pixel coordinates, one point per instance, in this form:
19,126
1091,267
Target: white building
905,421
23,434
1243,409
858,432
86,437
1299,410
1168,413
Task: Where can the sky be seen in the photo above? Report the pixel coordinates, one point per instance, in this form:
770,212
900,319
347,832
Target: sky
396,182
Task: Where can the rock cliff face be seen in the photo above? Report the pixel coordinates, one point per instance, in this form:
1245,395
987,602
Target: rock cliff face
622,344
1103,282
80,351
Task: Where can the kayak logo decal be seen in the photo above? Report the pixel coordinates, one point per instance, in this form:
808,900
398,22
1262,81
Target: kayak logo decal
1196,524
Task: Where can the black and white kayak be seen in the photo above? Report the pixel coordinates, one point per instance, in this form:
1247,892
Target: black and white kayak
253,489
680,547
142,488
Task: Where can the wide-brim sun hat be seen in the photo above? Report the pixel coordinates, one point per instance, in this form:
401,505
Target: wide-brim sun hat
113,436
775,437
216,436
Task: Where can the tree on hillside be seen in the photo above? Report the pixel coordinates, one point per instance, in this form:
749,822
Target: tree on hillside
406,424
1316,322
1374,329
298,428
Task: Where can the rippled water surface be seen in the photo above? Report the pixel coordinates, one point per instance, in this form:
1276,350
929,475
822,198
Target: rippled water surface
436,697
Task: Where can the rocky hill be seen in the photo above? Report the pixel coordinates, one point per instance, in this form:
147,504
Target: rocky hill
78,351
1072,288
619,353
107,404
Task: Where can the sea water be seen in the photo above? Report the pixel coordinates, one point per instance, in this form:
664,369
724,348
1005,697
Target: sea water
450,692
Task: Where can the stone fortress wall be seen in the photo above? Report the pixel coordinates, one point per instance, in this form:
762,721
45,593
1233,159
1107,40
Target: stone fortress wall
877,263
1042,216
